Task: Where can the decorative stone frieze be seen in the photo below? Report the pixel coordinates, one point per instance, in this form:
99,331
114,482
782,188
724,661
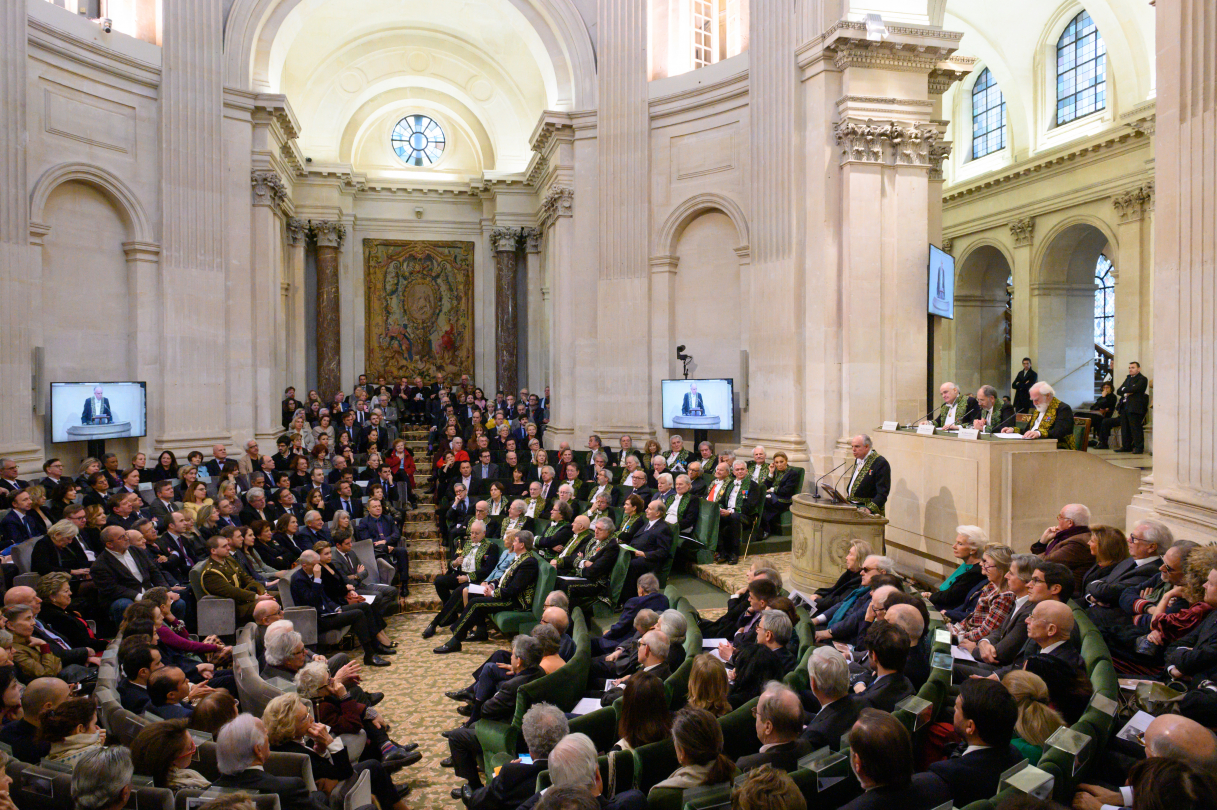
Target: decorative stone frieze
889,143
268,188
1023,231
559,202
1133,204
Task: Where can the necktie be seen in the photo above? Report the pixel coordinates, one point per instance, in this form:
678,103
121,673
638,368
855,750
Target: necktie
46,631
346,505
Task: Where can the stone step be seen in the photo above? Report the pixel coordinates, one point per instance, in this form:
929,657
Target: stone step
426,550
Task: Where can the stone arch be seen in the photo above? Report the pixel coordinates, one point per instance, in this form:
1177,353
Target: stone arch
980,348
129,206
1075,226
691,209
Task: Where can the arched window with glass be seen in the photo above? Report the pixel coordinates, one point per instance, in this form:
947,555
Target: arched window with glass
988,116
1104,304
1081,70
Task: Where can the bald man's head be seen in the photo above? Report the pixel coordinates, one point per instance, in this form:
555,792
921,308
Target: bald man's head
267,612
1173,736
1055,616
43,694
908,619
556,617
20,595
879,597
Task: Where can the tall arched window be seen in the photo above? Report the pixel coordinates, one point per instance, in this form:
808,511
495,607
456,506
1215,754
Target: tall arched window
1081,70
988,116
1104,304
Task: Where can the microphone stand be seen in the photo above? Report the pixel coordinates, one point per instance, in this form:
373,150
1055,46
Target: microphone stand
820,480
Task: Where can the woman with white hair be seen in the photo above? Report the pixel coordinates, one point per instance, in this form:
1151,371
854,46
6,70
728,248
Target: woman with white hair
290,728
338,709
970,542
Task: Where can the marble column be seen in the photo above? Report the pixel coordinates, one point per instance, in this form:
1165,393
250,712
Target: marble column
557,222
194,408
268,194
506,324
623,399
297,242
775,361
535,381
1185,307
329,237
18,259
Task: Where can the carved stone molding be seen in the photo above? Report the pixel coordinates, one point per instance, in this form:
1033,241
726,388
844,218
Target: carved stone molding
1133,204
559,202
268,189
939,152
888,143
1023,231
328,233
297,231
505,240
947,73
532,240
1146,125
948,246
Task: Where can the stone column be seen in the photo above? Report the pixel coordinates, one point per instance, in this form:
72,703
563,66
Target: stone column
195,407
506,325
557,221
297,242
1023,333
268,193
775,360
622,405
1134,274
535,381
329,237
1185,307
18,259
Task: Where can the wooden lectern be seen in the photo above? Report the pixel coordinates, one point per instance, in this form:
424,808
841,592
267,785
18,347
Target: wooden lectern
822,532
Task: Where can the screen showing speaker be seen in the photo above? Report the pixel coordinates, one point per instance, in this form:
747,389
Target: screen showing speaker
698,404
88,411
942,283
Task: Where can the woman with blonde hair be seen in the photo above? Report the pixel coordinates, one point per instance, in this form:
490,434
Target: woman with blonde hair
87,467
1037,721
205,518
996,600
708,685
39,507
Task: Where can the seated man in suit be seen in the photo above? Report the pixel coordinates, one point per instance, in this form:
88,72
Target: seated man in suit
779,719
652,546
345,500
574,772
683,508
24,735
557,535
889,650
256,509
1068,542
308,590
635,483
1147,542
766,660
19,525
463,743
387,541
513,592
652,657
163,505
169,691
544,728
1052,418
739,505
1049,628
955,413
985,714
242,748
138,665
120,576
516,519
993,414
649,598
828,672
348,566
624,659
881,756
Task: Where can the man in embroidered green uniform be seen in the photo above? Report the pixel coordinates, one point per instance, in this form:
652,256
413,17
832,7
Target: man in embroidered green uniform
871,479
1051,419
514,591
222,576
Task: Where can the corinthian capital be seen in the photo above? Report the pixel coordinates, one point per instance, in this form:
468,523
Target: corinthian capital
1023,231
328,233
505,239
297,231
268,189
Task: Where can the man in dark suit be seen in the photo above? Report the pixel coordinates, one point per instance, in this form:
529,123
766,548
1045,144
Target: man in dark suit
463,742
829,674
870,481
1023,381
256,508
1049,628
167,689
484,472
636,484
985,714
1134,404
648,598
1068,542
9,482
138,667
881,756
543,727
163,505
652,547
779,719
96,409
177,544
739,505
1051,419
766,660
650,656
120,576
1147,542
889,651
459,513
243,749
18,525
954,412
692,403
513,591
992,415
219,455
699,480
344,499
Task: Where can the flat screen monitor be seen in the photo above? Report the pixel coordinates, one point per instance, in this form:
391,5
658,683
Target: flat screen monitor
89,411
699,404
942,283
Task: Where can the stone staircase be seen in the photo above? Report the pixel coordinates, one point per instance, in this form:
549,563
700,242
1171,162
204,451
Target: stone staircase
422,536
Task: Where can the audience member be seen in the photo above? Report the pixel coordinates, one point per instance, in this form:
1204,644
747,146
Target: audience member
242,747
828,673
970,542
766,660
767,788
985,717
881,755
1068,542
645,716
164,751
71,729
101,779
24,735
708,685
889,650
779,721
698,740
1037,720
573,767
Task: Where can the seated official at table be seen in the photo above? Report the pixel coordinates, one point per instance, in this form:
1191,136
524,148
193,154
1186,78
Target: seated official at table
955,412
870,481
992,415
1051,419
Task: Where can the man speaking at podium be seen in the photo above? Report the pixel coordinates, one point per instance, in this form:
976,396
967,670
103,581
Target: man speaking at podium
97,409
692,404
871,479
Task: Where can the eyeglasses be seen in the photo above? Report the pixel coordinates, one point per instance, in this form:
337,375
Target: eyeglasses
1040,581
866,569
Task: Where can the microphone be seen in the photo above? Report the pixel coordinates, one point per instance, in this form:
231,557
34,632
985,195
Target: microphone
1002,423
820,480
927,414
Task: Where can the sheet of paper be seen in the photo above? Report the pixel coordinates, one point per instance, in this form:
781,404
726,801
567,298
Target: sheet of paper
476,590
712,643
1134,729
571,579
586,706
1007,435
368,597
960,654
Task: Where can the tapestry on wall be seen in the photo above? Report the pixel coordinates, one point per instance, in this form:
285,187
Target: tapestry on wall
419,308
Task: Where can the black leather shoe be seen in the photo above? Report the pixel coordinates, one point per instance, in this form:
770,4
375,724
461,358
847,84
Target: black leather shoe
447,734
407,747
403,791
400,759
460,695
452,646
375,697
429,630
481,634
465,710
385,649
446,762
456,792
375,661
733,560
466,795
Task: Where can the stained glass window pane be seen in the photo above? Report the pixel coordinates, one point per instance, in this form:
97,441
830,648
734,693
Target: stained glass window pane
1081,70
988,116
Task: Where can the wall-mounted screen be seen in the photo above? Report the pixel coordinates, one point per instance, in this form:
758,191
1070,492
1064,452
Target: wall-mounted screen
942,283
89,411
699,404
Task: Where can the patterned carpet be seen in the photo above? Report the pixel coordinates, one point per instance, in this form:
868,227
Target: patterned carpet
731,578
415,704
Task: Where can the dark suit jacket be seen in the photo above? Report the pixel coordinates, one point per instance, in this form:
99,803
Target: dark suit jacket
1003,417
755,666
925,792
655,542
1136,388
974,776
335,503
293,795
783,756
785,488
873,487
887,691
1127,574
965,413
1022,388
16,529
1067,652
114,580
502,705
624,628
1062,425
831,722
511,787
1196,653
248,515
560,536
87,414
1011,636
48,558
172,711
132,697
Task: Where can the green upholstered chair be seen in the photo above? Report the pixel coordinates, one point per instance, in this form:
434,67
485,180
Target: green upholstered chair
677,683
600,726
1081,433
511,621
581,457
786,520
663,573
616,582
797,678
563,687
739,731
654,763
806,632
707,797
705,534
